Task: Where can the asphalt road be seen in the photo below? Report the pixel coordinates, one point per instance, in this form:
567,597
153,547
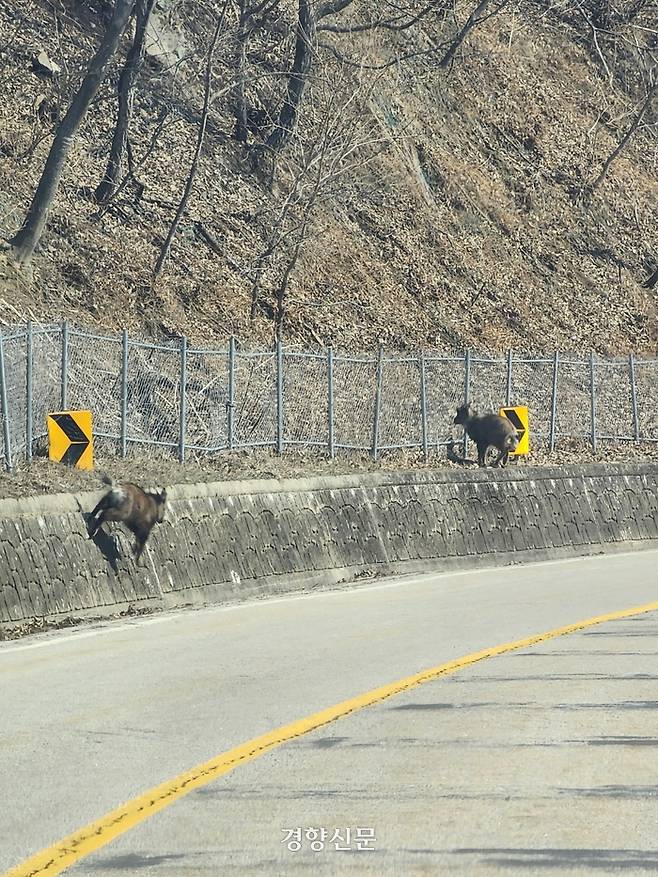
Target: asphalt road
542,760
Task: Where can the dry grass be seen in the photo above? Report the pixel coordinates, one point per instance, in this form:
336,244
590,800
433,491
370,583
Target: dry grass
44,477
469,232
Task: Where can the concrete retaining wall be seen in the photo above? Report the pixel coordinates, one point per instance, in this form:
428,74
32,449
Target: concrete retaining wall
234,539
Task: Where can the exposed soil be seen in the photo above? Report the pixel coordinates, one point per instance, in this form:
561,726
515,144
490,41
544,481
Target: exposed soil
470,229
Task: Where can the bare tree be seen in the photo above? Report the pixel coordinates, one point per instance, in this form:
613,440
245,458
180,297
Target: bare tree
249,19
301,65
309,22
245,20
477,16
187,191
126,91
635,124
610,33
393,16
26,239
319,165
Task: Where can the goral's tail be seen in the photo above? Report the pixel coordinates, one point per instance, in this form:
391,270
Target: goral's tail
116,494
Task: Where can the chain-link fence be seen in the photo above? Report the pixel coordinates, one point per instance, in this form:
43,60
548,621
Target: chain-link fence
176,399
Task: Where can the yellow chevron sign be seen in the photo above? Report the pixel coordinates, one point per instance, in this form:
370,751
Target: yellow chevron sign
518,417
70,439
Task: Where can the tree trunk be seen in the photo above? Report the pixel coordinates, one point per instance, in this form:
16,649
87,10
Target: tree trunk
472,20
126,92
627,136
164,252
240,97
25,241
304,47
282,289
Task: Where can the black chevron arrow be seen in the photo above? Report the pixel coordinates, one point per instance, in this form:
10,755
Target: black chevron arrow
79,441
70,428
516,422
512,416
73,453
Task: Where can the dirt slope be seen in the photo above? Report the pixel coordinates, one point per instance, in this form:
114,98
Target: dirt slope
468,230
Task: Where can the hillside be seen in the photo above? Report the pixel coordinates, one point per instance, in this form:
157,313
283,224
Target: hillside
457,215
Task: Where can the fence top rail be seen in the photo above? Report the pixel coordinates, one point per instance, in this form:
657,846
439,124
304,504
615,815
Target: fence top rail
432,357
387,360
207,351
367,360
54,331
399,360
483,359
637,361
12,336
174,347
295,354
77,333
621,364
19,330
255,354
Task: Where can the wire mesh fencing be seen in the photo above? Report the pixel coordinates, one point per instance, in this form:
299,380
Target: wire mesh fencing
174,399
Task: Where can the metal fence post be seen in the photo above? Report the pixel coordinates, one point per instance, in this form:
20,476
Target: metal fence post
636,415
378,402
64,395
330,402
5,409
230,404
592,380
423,406
467,391
279,397
29,394
556,365
508,391
183,399
124,393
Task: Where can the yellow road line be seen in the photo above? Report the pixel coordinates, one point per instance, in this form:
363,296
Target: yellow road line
92,837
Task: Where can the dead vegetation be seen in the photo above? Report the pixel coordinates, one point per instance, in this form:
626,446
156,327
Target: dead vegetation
479,206
44,477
